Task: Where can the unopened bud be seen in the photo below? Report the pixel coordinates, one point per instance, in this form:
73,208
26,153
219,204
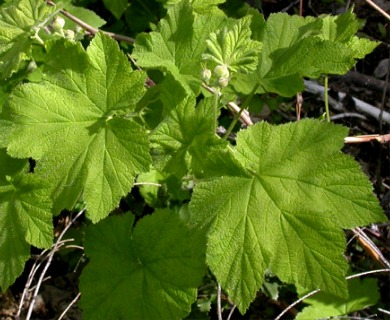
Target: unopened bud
58,23
223,82
221,71
205,75
69,34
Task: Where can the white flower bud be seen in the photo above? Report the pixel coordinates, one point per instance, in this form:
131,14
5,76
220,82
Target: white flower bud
69,34
221,71
205,75
58,23
223,82
32,66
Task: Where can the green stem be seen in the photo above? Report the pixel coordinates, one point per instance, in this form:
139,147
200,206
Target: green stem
326,98
215,109
242,108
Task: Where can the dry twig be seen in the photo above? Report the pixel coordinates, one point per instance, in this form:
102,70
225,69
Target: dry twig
50,256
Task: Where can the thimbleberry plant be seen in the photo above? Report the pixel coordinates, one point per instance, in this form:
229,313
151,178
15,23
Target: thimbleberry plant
273,199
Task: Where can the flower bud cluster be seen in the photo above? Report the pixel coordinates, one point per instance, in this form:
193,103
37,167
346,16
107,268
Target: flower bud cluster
220,72
58,25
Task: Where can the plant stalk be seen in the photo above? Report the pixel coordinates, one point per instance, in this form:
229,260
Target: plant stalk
238,114
326,98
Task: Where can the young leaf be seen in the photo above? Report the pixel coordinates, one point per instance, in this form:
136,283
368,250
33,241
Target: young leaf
150,272
362,293
177,45
234,47
79,124
19,21
286,212
25,217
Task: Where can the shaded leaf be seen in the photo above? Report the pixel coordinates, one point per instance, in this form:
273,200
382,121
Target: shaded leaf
150,272
362,293
25,217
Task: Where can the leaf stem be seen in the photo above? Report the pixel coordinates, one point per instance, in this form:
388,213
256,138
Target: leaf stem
326,98
238,114
219,307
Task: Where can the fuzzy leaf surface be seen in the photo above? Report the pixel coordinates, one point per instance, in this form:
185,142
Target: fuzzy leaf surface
286,212
17,23
150,272
177,45
362,294
25,217
78,123
234,47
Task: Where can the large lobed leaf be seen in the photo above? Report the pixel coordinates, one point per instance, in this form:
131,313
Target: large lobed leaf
149,272
79,124
25,217
286,212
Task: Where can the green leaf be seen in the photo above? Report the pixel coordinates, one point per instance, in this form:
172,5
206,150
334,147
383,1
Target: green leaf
116,7
342,29
293,46
151,183
79,124
286,213
362,294
170,98
143,15
84,15
19,22
178,43
234,47
185,141
25,217
150,272
296,47
199,6
158,189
